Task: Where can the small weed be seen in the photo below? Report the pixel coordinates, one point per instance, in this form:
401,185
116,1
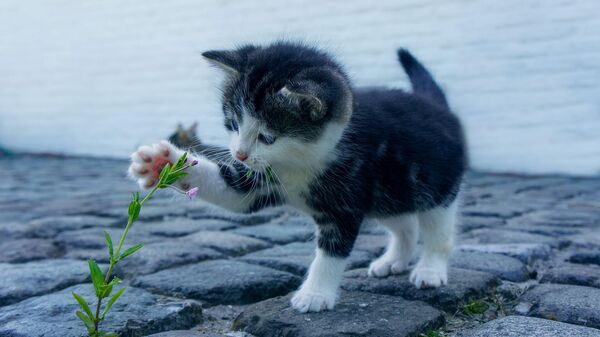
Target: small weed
432,333
475,307
102,282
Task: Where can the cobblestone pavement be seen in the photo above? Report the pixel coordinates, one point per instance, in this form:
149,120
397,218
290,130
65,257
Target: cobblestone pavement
527,263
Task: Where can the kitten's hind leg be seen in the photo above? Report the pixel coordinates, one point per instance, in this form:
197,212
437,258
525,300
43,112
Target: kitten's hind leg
403,240
437,233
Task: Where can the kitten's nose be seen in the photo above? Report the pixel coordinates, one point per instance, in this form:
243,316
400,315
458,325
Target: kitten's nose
241,156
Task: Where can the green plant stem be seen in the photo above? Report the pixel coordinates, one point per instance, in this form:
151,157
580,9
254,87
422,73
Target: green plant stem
113,261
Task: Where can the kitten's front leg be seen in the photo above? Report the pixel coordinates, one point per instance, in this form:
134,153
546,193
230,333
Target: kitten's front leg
320,289
148,161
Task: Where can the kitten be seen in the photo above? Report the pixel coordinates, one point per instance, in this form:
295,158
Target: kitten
301,135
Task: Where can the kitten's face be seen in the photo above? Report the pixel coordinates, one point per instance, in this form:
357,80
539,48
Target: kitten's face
284,105
251,140
276,136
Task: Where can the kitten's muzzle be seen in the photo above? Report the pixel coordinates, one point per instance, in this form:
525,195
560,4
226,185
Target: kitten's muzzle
241,156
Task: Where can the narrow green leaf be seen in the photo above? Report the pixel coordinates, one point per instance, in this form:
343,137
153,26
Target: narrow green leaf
109,243
249,174
86,320
180,162
164,173
108,334
131,250
111,302
173,177
115,281
106,290
83,304
96,275
134,210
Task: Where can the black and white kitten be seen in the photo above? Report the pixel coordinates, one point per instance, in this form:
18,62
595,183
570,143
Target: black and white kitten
341,155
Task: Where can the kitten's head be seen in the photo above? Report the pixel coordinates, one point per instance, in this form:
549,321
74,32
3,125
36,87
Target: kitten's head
284,104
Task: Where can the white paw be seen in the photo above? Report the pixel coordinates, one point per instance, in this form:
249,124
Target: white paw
305,301
429,275
385,266
148,161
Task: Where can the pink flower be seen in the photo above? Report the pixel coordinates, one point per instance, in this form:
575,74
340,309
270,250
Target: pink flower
192,193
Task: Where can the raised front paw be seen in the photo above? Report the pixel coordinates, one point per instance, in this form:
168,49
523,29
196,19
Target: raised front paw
148,161
306,301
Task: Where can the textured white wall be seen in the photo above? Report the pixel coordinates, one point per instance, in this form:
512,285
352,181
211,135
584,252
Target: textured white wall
101,77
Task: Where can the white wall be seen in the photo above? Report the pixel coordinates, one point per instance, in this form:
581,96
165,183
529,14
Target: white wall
101,77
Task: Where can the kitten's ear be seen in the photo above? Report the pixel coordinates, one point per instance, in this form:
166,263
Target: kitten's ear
225,59
305,98
193,127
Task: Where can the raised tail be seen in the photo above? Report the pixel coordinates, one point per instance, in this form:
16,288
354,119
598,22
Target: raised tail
421,80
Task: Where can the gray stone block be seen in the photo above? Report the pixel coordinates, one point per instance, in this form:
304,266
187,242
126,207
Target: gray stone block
588,256
162,255
220,282
136,313
186,333
20,281
526,252
23,250
229,243
177,227
568,273
499,235
462,285
279,233
502,266
49,227
297,256
94,237
356,314
516,326
566,303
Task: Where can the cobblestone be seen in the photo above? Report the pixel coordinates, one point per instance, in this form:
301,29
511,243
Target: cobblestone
280,233
23,280
226,242
23,250
137,313
565,303
297,256
586,256
462,285
357,314
526,252
184,226
568,273
526,245
504,267
220,281
514,326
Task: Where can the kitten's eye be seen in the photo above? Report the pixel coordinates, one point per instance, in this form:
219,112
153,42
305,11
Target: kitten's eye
233,125
267,140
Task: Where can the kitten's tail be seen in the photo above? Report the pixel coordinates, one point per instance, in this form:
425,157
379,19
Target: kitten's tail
421,80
